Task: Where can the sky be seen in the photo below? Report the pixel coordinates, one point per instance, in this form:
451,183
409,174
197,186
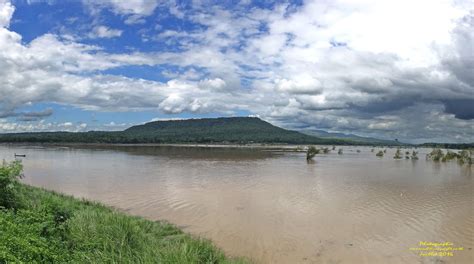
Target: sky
399,69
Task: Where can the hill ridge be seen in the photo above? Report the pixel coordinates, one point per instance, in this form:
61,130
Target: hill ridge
240,130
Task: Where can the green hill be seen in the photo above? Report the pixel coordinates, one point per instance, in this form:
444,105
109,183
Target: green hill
231,130
235,130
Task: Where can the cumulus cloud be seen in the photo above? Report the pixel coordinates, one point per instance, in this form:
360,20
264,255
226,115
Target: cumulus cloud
347,66
6,12
355,60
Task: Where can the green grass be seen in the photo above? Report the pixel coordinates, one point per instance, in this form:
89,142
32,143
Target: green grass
52,228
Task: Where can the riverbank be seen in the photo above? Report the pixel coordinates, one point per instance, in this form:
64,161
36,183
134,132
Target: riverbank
47,227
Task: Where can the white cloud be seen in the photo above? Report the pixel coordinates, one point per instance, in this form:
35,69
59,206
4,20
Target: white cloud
344,65
129,7
213,84
41,126
301,83
105,32
6,12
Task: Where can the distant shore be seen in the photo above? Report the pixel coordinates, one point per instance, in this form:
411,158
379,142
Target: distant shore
260,146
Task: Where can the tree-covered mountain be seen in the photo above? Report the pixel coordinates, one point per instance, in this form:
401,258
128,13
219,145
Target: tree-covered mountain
237,130
232,129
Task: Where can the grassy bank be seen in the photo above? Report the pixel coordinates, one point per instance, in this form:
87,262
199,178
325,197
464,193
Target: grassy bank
45,227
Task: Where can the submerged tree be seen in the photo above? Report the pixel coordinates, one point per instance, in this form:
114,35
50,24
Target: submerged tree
435,155
339,151
311,152
398,154
414,155
379,154
450,156
465,156
325,150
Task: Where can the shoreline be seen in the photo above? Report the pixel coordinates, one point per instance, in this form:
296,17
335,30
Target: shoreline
80,229
264,146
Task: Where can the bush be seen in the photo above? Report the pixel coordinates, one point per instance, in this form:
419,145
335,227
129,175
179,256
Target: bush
311,152
398,154
435,155
9,176
465,156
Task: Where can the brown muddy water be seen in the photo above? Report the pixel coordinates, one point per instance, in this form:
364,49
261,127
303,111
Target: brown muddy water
274,207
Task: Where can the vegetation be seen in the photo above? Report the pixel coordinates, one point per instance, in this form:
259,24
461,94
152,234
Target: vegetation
398,154
9,175
311,152
45,227
450,155
233,130
414,155
339,151
463,157
380,153
435,155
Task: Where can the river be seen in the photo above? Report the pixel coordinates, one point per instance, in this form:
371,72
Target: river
273,206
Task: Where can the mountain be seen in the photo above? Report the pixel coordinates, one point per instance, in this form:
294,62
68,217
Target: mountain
215,130
236,130
358,139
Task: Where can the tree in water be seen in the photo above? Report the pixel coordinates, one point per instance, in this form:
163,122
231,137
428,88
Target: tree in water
339,151
435,155
379,154
311,152
465,156
398,154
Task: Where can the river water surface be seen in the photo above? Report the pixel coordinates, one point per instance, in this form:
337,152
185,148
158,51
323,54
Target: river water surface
271,206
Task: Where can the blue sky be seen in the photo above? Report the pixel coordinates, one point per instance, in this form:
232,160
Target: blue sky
341,66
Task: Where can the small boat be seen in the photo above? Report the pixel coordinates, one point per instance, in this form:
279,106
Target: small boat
20,155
